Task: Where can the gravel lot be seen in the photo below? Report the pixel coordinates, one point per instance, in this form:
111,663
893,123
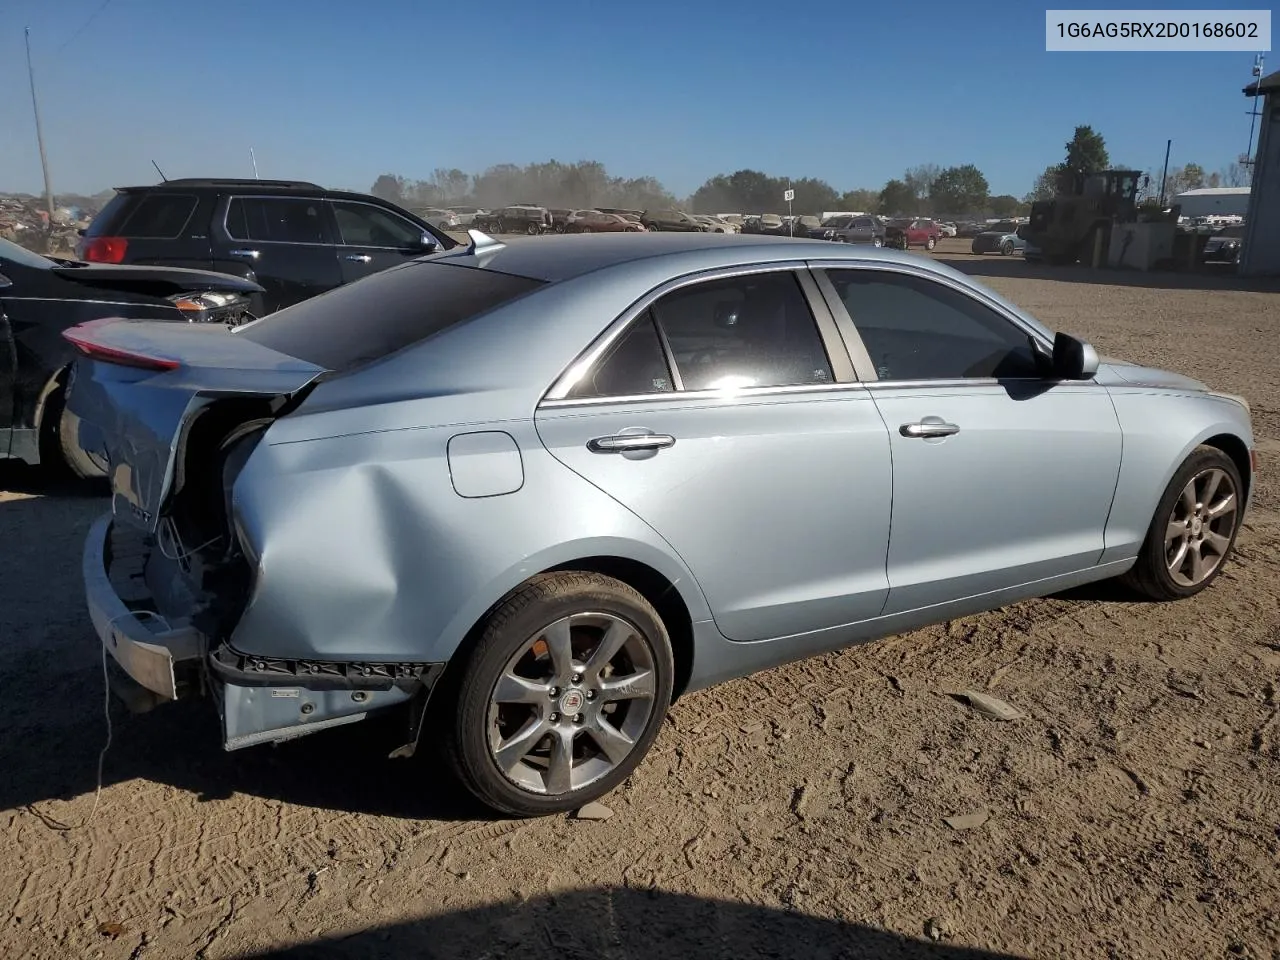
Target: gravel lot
1134,812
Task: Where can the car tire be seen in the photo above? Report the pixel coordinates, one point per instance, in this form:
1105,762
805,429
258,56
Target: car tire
1006,248
59,454
502,227
877,242
930,243
586,229
1201,505
483,739
531,229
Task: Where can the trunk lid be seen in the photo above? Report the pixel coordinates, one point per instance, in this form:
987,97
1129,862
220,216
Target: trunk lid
138,386
157,281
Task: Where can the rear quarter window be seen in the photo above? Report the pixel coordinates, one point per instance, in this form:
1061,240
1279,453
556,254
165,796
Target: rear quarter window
373,318
152,216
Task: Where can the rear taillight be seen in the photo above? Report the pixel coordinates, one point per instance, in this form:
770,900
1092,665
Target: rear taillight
103,249
81,337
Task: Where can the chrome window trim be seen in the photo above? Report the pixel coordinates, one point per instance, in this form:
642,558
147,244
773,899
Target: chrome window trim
859,349
339,242
580,366
226,212
745,394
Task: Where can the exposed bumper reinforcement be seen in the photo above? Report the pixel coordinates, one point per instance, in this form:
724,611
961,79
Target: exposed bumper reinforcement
144,645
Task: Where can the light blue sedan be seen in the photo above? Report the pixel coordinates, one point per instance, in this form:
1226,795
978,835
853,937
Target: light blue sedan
529,493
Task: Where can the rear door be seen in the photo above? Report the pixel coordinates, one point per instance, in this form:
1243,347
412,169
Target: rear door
723,412
372,238
285,243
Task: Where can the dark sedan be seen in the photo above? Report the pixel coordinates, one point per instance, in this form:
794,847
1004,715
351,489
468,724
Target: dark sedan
42,296
1001,238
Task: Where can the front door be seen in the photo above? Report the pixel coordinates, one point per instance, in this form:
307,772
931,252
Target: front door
287,245
1000,476
770,479
372,238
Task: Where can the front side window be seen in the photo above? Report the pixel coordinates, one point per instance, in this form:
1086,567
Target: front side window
749,331
277,220
363,225
918,329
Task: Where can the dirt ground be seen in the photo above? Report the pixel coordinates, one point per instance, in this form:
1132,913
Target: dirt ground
1133,812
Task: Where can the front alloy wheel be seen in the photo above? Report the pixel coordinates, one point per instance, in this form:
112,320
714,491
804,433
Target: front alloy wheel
1194,528
1200,528
560,697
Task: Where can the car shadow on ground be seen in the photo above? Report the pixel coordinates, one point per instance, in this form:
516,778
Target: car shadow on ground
1016,268
623,922
51,672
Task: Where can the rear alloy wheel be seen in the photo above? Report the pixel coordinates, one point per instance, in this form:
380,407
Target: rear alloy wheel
1006,248
562,695
1194,528
877,242
531,229
60,455
931,243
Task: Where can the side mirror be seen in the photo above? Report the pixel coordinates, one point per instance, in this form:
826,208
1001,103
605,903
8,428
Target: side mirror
427,243
1073,359
5,281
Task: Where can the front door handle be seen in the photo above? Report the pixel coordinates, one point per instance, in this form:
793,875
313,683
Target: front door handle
625,443
358,257
251,254
929,427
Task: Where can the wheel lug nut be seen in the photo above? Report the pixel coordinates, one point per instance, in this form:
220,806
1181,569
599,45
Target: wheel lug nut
591,694
577,678
554,717
577,718
553,692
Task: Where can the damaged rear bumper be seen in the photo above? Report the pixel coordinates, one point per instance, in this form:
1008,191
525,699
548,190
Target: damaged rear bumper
260,700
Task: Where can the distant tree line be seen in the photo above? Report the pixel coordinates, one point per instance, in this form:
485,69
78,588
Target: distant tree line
579,185
922,190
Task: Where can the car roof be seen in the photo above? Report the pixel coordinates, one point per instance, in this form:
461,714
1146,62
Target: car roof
249,186
563,257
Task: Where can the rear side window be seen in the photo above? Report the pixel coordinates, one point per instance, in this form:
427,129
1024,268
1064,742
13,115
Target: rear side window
388,311
151,216
278,220
634,366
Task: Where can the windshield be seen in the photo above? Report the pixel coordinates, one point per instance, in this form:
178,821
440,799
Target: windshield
838,222
1005,226
15,254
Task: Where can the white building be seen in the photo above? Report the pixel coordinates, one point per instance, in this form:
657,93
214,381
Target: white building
1214,201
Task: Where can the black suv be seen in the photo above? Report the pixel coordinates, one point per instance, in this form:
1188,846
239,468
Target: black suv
295,239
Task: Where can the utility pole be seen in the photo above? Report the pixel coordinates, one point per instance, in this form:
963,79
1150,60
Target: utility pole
1246,160
35,107
1164,177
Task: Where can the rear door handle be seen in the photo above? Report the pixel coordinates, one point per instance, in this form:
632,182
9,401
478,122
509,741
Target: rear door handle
251,254
624,443
929,427
358,257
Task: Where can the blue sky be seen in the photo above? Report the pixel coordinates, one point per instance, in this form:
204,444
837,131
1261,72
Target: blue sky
340,92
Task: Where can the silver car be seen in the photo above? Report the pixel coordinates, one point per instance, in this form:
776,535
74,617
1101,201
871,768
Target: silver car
528,494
